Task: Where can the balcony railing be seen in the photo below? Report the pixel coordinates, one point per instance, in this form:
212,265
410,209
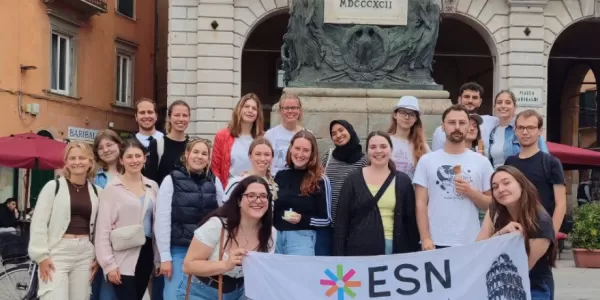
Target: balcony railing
88,7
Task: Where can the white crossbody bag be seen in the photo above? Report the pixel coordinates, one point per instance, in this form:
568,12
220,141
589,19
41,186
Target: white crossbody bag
131,236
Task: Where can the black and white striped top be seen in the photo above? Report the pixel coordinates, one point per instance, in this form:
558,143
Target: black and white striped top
337,171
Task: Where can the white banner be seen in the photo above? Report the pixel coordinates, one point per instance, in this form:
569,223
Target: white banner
492,269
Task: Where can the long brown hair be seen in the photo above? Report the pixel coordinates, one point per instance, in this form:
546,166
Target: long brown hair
170,112
416,137
235,124
113,137
529,209
310,183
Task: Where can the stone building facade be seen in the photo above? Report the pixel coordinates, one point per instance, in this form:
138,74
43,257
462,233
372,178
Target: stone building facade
207,38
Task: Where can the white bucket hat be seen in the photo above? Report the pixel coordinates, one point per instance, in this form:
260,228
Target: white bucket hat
408,102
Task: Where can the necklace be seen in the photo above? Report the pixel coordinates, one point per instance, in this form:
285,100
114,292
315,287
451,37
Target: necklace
77,187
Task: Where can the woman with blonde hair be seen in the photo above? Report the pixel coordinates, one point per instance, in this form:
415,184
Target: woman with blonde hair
107,149
290,114
261,157
187,195
165,152
124,240
62,228
406,132
230,150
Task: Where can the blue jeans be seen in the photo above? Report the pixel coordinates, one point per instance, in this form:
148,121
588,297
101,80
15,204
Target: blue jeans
171,286
543,290
201,291
101,289
323,243
389,247
296,242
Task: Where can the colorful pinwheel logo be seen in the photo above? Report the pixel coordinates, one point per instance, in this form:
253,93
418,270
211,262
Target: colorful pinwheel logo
340,283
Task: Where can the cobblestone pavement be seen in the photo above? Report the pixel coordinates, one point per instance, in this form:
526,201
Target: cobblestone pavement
573,283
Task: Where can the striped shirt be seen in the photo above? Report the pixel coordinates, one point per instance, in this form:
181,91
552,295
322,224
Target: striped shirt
337,171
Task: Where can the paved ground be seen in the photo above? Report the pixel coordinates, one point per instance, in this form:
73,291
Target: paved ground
571,283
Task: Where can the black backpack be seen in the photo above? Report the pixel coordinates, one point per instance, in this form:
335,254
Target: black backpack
567,224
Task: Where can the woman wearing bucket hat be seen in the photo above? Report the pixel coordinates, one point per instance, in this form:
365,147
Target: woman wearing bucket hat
407,135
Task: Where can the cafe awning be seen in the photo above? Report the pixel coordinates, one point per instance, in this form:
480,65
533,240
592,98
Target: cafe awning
574,157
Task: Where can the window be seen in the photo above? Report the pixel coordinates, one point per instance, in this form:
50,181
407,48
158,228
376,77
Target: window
124,78
63,55
126,7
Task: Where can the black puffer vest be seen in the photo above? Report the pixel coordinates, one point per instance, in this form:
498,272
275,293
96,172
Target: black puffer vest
194,197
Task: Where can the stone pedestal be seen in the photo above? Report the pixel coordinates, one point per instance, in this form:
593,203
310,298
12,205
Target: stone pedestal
366,109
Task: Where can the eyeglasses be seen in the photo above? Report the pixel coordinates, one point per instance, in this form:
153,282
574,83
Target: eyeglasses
290,108
528,128
252,197
406,114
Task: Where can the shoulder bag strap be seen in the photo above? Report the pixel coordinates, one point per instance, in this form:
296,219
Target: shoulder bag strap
328,158
189,281
366,209
145,205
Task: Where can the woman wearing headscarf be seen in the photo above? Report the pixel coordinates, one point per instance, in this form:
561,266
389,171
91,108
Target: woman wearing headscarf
338,162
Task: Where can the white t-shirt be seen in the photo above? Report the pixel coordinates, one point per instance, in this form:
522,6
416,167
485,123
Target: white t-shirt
453,218
144,138
497,149
489,122
209,234
240,162
402,156
280,139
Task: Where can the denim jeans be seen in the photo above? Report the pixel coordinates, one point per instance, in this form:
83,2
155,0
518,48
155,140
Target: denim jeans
101,289
171,286
323,243
543,290
201,291
389,247
296,242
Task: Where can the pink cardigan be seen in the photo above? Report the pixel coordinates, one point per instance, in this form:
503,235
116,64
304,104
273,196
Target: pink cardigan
119,208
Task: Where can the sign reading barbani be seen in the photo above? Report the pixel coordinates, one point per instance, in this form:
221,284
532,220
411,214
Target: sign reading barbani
373,12
493,269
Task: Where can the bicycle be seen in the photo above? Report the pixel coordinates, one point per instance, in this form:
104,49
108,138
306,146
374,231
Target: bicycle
18,273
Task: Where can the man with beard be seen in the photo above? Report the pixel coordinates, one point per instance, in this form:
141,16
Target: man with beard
542,169
145,116
450,185
470,96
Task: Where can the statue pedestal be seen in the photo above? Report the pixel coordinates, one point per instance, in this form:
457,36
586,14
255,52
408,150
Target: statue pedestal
366,109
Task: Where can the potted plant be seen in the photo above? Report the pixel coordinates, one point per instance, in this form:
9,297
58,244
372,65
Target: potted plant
586,236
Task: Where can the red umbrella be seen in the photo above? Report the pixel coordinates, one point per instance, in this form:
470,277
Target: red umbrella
574,157
29,150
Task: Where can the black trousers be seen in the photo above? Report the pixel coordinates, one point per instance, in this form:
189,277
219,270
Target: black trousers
134,287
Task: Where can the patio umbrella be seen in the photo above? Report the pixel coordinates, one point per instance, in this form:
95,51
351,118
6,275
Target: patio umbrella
30,151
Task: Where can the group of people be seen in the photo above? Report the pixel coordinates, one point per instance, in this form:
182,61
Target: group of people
180,213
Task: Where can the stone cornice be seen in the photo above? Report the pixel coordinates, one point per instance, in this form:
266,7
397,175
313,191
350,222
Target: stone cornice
527,3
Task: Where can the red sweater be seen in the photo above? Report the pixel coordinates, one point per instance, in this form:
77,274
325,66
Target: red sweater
221,155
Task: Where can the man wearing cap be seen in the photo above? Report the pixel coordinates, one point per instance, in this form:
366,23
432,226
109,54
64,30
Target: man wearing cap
474,134
470,96
408,140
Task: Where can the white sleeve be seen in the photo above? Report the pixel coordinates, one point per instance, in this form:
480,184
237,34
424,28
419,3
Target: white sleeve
221,197
438,139
210,232
420,176
488,170
162,225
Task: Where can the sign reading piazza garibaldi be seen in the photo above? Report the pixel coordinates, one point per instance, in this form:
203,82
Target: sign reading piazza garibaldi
374,12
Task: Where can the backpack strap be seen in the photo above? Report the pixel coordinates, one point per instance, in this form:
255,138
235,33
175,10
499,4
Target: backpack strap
546,161
328,158
58,187
160,148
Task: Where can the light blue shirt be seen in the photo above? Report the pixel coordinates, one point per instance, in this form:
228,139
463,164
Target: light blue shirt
147,217
101,178
162,225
